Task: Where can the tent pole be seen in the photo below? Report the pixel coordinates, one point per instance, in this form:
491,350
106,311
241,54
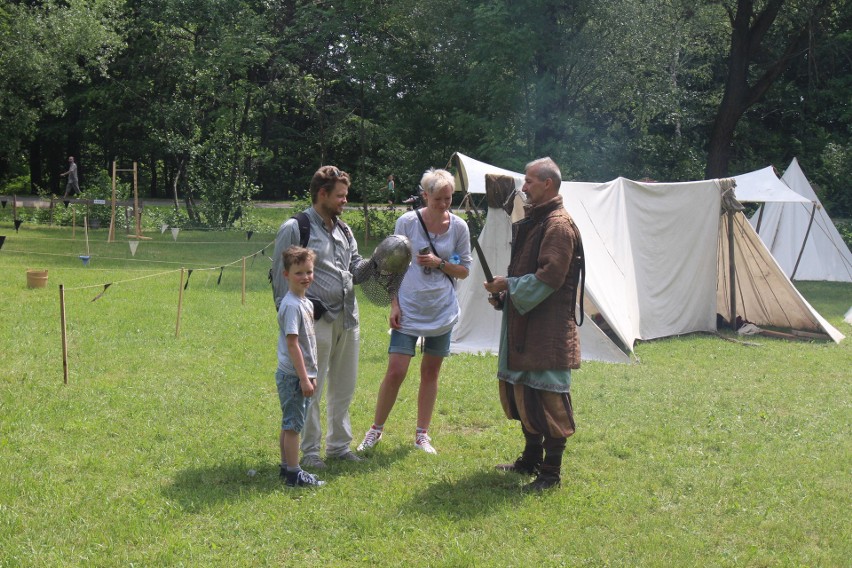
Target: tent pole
759,218
732,271
804,241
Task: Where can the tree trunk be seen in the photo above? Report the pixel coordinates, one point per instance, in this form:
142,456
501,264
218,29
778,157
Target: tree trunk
176,181
748,30
153,188
35,165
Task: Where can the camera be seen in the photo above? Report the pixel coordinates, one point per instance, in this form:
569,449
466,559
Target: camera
425,250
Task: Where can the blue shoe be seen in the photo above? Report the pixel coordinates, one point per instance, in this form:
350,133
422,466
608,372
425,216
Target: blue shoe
302,478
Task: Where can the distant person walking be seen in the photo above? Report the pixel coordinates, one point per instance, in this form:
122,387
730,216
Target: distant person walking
73,186
391,190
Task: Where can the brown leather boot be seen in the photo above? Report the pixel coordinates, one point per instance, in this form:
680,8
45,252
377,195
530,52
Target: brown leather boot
548,478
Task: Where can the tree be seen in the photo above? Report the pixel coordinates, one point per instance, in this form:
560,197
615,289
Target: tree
756,59
46,49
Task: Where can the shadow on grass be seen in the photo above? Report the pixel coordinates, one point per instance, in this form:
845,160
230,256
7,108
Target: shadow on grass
477,494
198,488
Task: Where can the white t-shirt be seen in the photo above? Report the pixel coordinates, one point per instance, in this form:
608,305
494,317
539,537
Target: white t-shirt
428,301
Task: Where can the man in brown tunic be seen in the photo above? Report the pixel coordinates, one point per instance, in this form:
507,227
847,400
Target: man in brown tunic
539,343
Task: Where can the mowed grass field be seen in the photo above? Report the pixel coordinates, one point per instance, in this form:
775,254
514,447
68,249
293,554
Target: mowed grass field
162,450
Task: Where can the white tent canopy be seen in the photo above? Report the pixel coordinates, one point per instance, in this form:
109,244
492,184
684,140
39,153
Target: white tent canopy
651,265
763,186
801,236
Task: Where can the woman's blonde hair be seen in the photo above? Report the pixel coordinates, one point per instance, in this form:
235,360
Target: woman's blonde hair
433,180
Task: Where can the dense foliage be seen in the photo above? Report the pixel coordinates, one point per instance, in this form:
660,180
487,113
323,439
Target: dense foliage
222,101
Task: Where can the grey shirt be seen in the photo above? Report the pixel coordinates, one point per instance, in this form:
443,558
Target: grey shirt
72,173
337,257
296,317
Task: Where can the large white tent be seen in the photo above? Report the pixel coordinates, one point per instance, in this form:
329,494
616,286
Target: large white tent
654,267
801,236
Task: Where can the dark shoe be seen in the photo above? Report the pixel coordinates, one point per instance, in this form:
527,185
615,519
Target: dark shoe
520,466
547,479
302,478
348,455
312,461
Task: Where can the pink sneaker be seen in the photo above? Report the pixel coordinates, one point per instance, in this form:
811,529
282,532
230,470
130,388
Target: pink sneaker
371,438
423,442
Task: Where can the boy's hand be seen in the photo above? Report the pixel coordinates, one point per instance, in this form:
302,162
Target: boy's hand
307,386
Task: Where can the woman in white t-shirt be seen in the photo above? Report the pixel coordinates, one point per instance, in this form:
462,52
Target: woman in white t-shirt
426,305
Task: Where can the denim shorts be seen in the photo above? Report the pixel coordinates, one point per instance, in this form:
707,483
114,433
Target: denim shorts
294,405
405,344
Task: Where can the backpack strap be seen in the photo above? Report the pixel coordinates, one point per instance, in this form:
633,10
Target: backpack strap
304,228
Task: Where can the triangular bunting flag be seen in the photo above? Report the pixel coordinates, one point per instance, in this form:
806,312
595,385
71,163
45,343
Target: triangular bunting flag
163,228
188,274
2,240
17,224
221,271
248,235
85,258
133,245
103,292
4,203
175,232
253,258
66,204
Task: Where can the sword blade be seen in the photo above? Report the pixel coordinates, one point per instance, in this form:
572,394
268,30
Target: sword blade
488,276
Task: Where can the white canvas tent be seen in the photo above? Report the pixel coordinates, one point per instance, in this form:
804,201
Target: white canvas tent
653,266
801,236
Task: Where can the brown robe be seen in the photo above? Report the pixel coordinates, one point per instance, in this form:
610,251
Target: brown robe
546,243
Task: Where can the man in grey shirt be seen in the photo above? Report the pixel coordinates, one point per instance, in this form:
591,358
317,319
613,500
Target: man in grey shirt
337,330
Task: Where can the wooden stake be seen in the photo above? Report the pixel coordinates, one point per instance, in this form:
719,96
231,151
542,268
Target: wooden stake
804,241
244,281
180,304
86,227
64,335
732,272
111,237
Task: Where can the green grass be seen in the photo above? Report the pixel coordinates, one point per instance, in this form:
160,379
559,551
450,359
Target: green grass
708,452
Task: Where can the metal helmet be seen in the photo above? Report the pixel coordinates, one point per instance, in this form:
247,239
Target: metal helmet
393,255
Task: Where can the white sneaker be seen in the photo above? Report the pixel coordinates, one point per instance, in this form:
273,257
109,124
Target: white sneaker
371,438
424,442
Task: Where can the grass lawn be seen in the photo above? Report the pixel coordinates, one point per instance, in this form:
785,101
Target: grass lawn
163,450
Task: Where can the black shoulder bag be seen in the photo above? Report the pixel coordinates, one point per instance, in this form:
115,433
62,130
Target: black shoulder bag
429,238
